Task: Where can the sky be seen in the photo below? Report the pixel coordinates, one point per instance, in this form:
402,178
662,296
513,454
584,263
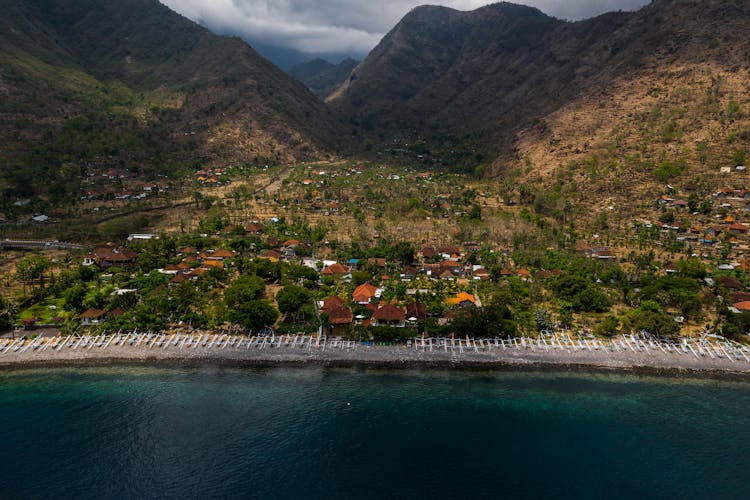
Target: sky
350,27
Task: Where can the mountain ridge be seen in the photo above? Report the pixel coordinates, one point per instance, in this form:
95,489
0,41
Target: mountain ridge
474,80
157,75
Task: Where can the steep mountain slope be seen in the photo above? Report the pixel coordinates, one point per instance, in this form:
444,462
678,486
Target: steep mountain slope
322,77
131,82
468,83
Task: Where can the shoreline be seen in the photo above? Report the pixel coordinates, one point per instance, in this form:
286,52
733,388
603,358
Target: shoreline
156,350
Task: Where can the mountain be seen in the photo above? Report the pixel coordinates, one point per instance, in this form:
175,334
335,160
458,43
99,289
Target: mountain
490,86
131,83
322,77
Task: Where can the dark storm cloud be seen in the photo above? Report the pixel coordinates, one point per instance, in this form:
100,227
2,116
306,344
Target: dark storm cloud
355,26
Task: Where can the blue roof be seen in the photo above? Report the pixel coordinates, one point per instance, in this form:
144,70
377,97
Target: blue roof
353,261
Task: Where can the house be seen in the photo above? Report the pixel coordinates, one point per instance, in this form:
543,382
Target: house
428,252
389,315
254,229
452,266
416,311
93,317
451,252
431,270
332,302
221,254
481,274
738,228
339,318
271,255
109,256
336,270
462,299
524,274
730,283
142,237
447,276
179,278
364,293
272,241
409,273
605,253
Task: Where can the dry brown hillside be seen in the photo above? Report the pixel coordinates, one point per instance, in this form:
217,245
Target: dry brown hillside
505,80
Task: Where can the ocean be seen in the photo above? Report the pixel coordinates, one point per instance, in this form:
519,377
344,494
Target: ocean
359,434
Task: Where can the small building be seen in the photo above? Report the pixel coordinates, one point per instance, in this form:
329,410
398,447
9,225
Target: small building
93,317
271,255
340,318
142,237
389,315
364,293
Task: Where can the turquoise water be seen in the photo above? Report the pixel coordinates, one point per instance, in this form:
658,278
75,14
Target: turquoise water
317,433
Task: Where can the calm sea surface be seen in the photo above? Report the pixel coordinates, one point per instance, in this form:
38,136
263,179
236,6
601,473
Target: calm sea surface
348,434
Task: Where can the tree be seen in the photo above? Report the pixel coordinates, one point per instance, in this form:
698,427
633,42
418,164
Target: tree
486,322
360,277
32,268
543,320
74,297
254,315
402,252
6,315
244,289
608,327
292,298
655,323
565,313
475,213
692,268
581,293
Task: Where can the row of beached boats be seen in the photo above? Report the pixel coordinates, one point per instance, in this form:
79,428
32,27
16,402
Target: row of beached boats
706,346
162,340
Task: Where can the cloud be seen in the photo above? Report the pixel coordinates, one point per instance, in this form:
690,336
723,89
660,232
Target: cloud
344,26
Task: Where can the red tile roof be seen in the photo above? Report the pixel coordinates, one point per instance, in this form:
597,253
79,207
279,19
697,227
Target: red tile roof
389,313
340,316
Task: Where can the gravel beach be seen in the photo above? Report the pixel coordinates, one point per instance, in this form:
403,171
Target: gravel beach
157,351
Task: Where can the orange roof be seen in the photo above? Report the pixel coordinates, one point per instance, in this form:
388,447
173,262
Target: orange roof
223,254
214,263
335,269
737,226
365,289
461,297
743,306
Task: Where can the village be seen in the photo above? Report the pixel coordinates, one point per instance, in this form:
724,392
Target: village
384,252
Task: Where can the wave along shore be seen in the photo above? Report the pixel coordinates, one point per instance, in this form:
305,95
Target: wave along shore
624,353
